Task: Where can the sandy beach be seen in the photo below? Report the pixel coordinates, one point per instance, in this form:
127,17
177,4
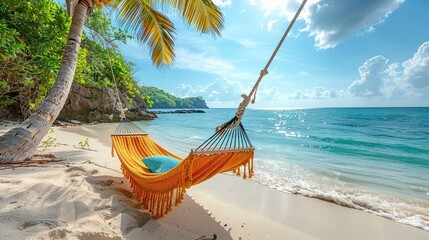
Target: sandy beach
85,196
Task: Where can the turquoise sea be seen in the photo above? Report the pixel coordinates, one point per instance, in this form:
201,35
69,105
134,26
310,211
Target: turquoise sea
372,159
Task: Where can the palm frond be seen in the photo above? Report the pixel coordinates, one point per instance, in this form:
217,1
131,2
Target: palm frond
148,26
204,15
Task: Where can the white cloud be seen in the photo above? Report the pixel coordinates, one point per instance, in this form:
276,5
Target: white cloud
378,77
184,90
416,69
278,8
372,76
331,21
206,62
222,3
315,93
265,93
221,89
224,92
270,24
201,62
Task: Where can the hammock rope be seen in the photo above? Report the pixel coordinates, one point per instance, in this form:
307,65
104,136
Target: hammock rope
228,149
119,105
246,98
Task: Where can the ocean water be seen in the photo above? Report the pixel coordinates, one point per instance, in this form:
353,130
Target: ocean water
371,159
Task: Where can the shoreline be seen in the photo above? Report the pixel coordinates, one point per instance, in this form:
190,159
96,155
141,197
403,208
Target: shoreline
254,211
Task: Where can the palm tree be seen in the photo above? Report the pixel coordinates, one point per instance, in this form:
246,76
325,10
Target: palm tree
146,23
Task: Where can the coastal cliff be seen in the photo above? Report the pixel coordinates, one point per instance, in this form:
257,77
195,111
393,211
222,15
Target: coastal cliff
89,104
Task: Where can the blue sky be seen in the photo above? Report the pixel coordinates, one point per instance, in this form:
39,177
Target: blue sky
340,53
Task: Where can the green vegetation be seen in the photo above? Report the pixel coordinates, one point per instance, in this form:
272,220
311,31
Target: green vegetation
162,99
31,46
32,38
84,144
50,142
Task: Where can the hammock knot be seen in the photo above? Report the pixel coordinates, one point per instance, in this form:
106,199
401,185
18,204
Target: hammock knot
263,72
241,109
121,109
242,106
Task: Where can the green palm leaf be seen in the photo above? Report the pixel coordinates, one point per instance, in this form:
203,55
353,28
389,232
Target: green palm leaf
204,15
149,26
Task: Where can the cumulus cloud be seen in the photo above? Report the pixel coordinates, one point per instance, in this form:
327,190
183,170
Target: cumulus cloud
267,93
331,21
393,80
378,78
416,69
184,90
372,76
227,91
221,89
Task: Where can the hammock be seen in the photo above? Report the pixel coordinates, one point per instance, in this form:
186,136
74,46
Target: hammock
228,149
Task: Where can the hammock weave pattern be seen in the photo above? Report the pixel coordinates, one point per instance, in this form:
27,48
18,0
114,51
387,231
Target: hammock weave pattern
228,149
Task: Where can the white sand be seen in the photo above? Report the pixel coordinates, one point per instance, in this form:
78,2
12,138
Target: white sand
86,197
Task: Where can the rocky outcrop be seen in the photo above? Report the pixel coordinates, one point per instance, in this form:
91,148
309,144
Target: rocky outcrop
89,104
179,111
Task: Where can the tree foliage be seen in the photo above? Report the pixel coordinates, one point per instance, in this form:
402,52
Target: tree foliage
162,99
154,28
32,38
31,46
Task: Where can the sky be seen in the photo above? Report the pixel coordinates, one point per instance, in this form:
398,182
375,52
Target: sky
340,53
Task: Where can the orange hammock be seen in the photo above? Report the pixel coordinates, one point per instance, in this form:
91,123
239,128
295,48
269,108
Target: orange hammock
159,192
228,149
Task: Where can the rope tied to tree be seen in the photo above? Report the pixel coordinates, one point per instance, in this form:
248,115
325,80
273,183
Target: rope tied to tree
119,104
121,109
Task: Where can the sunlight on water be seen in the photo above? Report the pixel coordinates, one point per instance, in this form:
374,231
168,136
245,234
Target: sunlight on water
376,160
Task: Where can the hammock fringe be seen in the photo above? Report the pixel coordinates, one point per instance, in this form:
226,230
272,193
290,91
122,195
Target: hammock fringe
228,149
159,193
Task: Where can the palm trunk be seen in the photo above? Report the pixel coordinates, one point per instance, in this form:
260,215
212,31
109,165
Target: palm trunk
20,144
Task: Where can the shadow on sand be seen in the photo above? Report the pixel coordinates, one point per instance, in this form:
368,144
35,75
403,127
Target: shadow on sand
187,219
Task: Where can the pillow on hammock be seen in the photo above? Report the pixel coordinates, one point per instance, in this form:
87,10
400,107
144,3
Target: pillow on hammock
160,164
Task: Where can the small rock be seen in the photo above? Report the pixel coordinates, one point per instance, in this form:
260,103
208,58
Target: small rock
75,122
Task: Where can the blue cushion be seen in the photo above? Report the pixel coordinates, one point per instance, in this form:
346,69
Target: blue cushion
160,164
